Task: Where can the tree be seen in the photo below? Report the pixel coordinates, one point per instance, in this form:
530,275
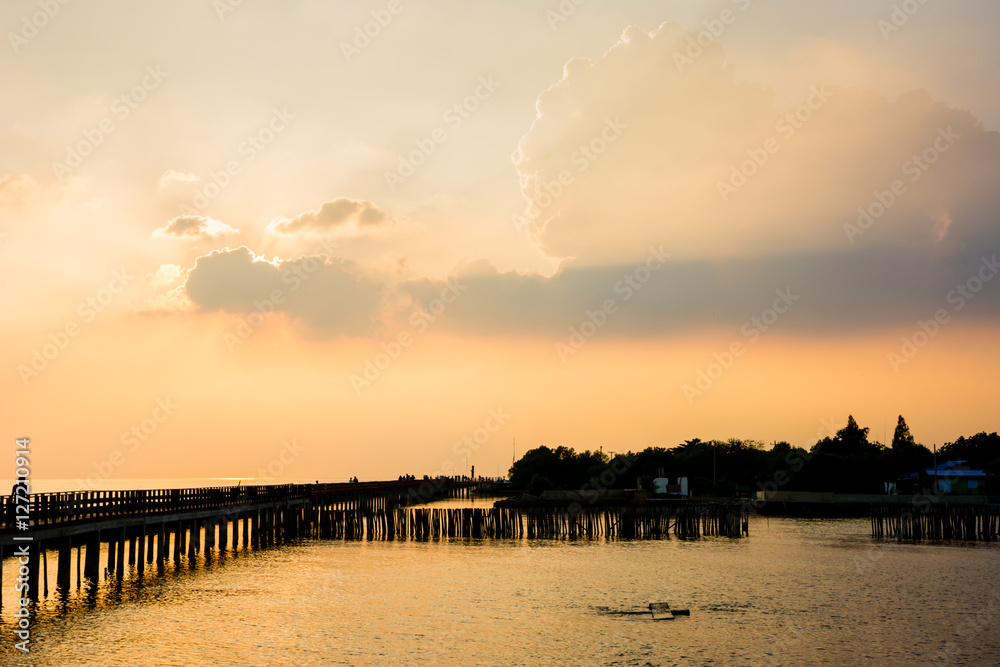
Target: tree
901,437
538,484
853,435
850,441
979,450
560,468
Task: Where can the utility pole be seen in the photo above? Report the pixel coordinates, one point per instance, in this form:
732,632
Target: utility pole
935,471
713,470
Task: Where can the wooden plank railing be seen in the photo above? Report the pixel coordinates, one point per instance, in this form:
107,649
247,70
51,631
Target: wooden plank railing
54,509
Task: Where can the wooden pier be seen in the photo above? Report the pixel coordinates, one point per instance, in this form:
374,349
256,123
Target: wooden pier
939,520
154,526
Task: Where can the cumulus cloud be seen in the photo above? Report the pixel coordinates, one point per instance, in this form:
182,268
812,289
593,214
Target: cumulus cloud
641,147
167,275
336,213
328,296
196,226
167,285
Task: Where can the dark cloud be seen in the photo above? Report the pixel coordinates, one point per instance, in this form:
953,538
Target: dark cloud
328,296
857,290
835,292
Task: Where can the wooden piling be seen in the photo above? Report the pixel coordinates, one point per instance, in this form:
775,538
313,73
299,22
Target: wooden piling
63,566
91,568
112,552
120,562
941,521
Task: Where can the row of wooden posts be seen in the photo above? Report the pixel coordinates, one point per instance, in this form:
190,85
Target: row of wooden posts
371,519
689,520
934,521
685,521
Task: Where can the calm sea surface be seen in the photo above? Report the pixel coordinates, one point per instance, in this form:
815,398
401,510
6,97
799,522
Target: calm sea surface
796,592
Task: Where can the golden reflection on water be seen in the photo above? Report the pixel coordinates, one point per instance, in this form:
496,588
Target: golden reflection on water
795,593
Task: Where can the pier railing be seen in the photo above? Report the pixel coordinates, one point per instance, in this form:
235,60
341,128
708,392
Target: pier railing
55,509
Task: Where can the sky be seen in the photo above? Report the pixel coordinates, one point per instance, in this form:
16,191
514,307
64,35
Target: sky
309,240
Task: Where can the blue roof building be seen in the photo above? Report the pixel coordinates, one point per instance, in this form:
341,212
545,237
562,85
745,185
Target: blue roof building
953,477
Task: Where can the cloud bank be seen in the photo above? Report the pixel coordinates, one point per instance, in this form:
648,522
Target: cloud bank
873,212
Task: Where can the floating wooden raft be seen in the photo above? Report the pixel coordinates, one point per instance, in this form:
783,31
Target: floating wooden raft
661,611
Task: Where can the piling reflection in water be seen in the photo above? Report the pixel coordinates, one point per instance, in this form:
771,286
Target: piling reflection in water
141,535
792,595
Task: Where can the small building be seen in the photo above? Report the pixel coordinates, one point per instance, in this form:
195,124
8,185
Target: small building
662,486
951,477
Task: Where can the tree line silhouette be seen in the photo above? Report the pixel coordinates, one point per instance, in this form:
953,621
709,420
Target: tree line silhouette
847,462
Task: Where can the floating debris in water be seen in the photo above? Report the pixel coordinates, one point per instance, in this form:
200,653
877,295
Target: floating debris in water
658,611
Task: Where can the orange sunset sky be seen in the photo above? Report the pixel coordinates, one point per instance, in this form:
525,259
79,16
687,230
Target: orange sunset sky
377,238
